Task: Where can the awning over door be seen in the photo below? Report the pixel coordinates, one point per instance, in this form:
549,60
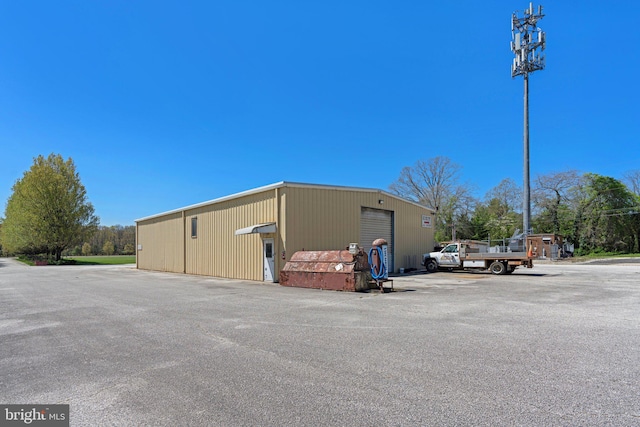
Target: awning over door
267,227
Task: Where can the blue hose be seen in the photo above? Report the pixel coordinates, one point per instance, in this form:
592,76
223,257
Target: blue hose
383,268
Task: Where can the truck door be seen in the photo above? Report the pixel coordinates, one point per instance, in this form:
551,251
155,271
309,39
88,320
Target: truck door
450,256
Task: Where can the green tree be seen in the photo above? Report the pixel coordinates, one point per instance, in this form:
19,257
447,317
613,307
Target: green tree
501,209
479,229
554,202
86,249
118,234
108,248
48,210
129,249
607,216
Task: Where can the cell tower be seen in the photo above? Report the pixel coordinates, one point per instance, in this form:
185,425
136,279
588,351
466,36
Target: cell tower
527,43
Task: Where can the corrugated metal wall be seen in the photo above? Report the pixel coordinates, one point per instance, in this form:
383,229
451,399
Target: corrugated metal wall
310,218
162,242
217,251
329,219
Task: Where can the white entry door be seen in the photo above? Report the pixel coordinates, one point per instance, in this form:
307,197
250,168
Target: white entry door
268,260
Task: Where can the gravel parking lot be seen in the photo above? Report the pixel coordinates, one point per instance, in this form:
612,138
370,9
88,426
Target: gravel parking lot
558,344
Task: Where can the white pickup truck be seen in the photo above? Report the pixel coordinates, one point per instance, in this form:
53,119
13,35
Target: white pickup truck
467,255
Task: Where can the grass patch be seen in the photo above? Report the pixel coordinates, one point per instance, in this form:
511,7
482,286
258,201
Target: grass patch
80,260
600,255
26,260
612,255
102,259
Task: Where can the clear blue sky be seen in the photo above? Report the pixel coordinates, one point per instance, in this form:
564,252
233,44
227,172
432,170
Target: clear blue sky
163,104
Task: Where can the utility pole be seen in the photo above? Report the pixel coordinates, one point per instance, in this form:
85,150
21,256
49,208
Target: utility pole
527,43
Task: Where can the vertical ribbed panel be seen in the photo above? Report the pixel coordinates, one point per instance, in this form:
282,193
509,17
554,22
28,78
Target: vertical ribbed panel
217,251
162,243
310,218
330,219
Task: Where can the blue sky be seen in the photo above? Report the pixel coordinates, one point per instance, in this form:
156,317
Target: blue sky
164,104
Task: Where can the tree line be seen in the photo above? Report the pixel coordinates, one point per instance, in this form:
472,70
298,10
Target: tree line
108,240
596,213
49,212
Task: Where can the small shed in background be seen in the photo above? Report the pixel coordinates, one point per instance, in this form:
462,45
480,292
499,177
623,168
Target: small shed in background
550,246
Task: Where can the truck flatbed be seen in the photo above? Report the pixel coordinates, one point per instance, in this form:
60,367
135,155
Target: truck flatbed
464,255
496,255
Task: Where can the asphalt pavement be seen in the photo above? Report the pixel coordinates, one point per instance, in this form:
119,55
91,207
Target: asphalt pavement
558,344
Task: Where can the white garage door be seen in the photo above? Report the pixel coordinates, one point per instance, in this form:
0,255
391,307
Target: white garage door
376,224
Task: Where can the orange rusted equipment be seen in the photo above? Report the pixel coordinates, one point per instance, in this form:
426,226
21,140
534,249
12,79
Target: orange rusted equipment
333,270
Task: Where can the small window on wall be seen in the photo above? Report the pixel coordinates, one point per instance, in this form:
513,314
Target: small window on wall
194,227
268,250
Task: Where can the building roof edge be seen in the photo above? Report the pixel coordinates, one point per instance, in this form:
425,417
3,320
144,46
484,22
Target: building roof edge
280,185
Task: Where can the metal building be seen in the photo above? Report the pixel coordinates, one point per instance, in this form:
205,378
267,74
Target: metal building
251,235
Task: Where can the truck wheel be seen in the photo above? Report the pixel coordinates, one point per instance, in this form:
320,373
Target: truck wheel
497,267
431,265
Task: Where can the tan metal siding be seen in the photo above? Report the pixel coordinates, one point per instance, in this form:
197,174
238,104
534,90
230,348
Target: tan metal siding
319,219
162,242
329,219
217,251
412,240
307,217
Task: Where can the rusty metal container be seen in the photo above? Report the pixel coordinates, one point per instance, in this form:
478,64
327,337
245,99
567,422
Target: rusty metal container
332,270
